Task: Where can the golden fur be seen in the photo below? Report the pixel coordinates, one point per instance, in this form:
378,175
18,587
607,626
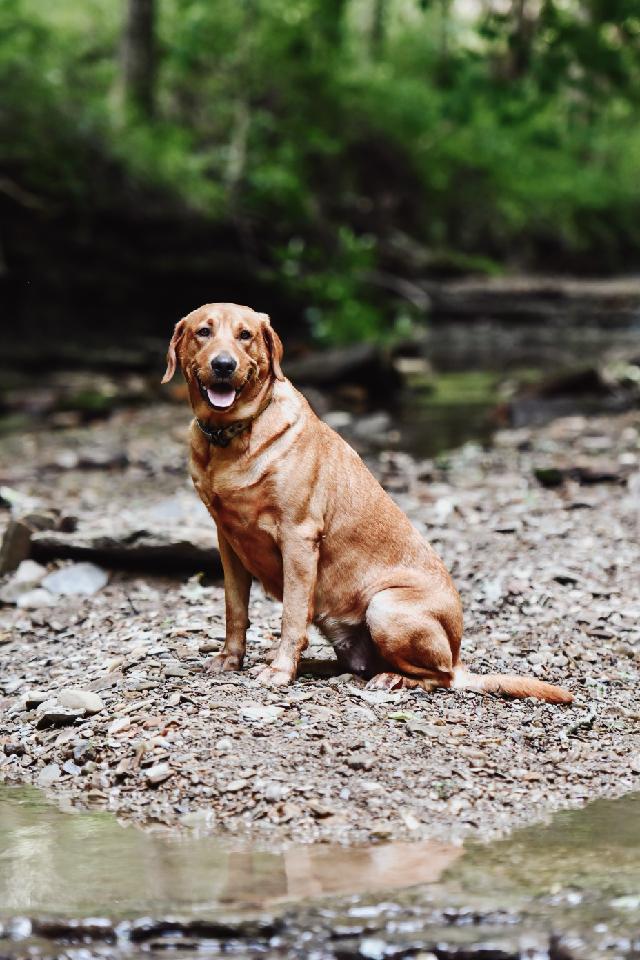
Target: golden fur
296,508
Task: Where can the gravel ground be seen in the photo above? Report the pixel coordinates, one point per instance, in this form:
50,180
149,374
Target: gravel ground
541,534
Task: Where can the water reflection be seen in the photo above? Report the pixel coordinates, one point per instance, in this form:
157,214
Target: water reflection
88,863
585,861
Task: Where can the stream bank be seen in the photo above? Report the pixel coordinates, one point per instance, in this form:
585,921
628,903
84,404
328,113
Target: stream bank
540,533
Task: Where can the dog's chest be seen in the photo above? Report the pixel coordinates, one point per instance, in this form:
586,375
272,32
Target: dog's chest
246,512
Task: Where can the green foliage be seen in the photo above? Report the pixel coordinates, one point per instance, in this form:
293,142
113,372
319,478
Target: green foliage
331,283
450,143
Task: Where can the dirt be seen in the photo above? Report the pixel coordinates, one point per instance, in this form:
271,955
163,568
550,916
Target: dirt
550,584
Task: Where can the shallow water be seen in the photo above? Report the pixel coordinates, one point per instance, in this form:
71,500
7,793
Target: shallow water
478,365
579,873
80,864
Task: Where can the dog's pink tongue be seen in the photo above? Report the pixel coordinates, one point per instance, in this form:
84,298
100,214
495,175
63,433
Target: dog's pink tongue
221,396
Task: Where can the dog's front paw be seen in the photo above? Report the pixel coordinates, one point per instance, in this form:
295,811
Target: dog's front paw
223,663
275,677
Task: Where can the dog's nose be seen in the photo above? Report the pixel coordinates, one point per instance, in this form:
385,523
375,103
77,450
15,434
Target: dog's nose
223,365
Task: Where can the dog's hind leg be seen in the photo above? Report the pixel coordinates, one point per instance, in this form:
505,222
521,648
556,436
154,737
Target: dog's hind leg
419,646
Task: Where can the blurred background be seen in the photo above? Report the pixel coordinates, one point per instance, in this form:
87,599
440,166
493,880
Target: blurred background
442,193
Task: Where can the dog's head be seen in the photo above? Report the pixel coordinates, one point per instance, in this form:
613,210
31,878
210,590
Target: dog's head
228,355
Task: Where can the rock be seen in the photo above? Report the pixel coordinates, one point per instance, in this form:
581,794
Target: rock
585,381
175,670
119,726
372,948
77,579
172,533
74,698
17,501
546,297
143,541
274,792
158,773
549,476
16,542
49,775
212,646
364,364
51,713
16,545
258,712
565,577
30,572
234,786
70,767
361,761
35,697
372,425
320,810
34,599
27,576
84,752
197,819
596,471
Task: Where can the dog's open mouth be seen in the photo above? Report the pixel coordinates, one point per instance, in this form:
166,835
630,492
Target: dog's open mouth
220,396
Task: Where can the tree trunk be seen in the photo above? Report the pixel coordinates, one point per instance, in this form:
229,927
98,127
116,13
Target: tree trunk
138,56
331,15
521,41
378,23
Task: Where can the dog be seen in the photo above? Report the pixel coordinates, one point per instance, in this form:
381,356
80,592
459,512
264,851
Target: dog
296,508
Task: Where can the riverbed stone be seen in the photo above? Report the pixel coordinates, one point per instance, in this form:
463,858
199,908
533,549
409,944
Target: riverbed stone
16,545
35,599
34,698
75,698
76,579
48,775
158,773
52,713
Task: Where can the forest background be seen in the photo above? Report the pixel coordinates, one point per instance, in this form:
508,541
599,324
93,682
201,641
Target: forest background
315,158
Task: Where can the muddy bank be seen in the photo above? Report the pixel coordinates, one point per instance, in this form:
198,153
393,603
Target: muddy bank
541,534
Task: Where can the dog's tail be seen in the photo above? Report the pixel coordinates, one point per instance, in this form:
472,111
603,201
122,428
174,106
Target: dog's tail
509,686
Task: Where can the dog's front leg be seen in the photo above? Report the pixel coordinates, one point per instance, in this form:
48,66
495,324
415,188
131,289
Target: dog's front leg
299,572
237,587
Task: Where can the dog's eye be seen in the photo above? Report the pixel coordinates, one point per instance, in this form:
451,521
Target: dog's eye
204,332
244,335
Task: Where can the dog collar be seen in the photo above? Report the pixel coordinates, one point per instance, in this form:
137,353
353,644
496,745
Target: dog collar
222,436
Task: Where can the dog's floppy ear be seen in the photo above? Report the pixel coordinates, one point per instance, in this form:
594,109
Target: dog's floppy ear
274,345
172,358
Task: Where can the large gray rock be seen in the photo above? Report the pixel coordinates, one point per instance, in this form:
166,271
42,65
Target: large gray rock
174,533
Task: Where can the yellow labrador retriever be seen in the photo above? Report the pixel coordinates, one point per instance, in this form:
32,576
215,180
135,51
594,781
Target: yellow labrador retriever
297,508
